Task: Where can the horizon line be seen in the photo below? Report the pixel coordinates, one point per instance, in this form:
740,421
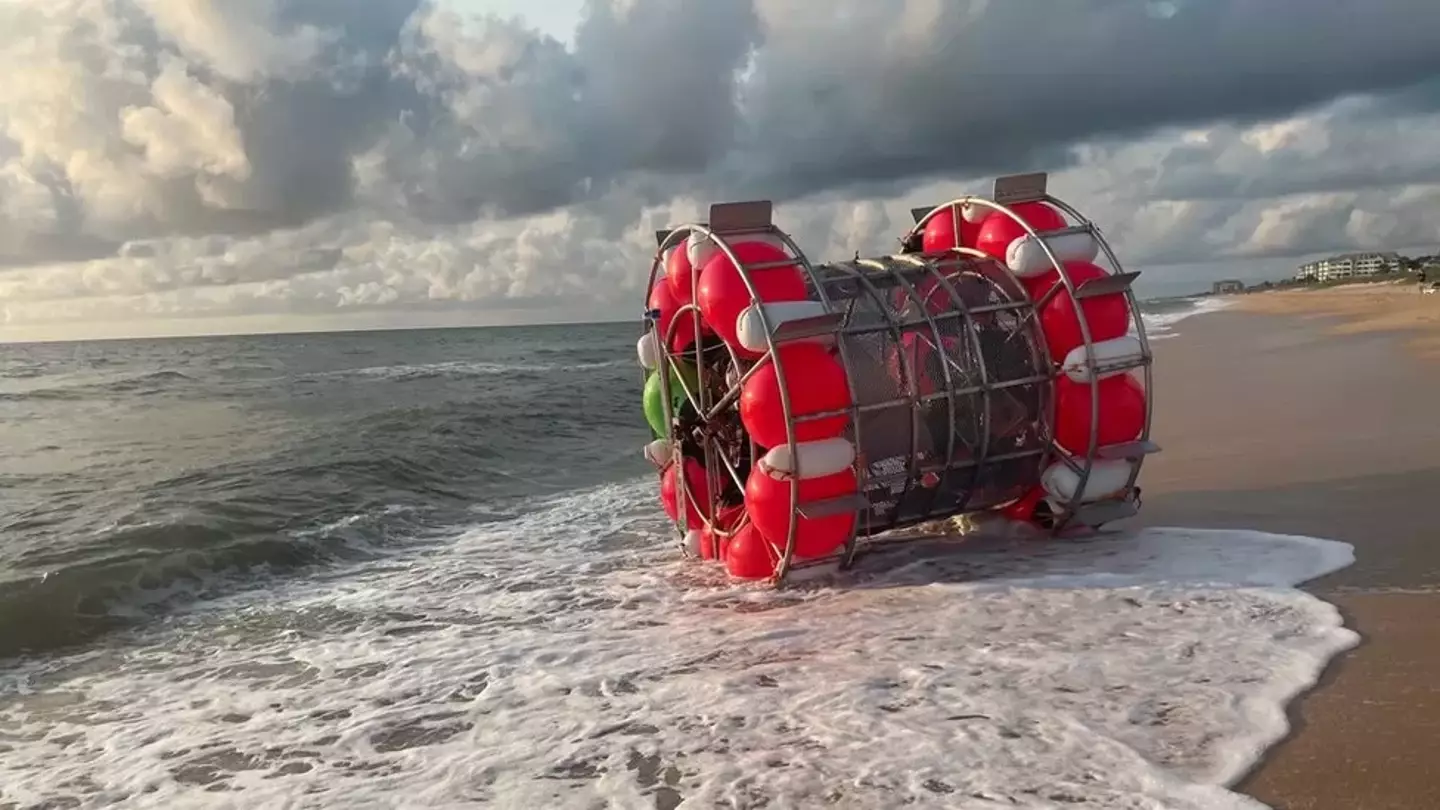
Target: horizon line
296,332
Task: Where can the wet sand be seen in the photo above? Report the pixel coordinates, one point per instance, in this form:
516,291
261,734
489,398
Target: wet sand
1283,422
1397,307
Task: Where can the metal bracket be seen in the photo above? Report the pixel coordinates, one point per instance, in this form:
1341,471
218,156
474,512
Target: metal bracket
1099,513
1096,287
814,326
830,507
1018,188
1067,231
1129,451
773,265
741,216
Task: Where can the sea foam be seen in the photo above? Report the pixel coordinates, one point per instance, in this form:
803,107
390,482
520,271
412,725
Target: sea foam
1161,325
566,660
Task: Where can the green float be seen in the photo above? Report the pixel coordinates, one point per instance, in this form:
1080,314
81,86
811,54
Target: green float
654,400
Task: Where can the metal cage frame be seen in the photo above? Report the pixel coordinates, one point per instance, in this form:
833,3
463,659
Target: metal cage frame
735,221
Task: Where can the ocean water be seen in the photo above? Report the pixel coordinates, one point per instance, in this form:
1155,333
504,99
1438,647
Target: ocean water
428,569
1161,315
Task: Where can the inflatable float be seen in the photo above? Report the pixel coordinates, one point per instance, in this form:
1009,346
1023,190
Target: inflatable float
801,412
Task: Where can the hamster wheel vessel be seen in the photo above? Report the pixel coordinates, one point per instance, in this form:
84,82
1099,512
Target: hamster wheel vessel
803,411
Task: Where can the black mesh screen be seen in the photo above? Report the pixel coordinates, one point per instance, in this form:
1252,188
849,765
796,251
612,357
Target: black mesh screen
950,379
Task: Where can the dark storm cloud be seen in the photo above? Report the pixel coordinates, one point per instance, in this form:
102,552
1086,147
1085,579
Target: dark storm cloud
870,94
141,118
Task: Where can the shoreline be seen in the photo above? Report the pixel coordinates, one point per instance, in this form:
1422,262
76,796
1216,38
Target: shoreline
1344,451
1393,307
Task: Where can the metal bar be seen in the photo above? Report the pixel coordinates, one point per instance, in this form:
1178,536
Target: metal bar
771,265
819,562
737,234
1099,513
1096,287
942,317
1067,231
1112,366
729,468
1129,451
1048,294
1069,461
924,399
927,398
830,507
732,394
815,326
954,466
1010,305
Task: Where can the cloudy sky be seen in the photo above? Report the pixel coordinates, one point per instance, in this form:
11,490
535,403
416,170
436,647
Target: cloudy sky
194,166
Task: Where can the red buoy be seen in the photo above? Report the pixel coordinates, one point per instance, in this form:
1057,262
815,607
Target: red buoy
767,499
679,274
1122,412
1023,510
699,484
663,299
940,235
712,539
1037,286
1108,316
709,547
723,295
748,556
817,384
997,231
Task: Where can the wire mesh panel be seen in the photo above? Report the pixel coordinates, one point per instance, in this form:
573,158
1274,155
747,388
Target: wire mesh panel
950,379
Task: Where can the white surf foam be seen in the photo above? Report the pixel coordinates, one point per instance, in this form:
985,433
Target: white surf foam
565,660
1161,325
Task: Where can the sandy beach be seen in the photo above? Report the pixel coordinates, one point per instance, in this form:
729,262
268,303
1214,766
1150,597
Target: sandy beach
1397,307
1318,413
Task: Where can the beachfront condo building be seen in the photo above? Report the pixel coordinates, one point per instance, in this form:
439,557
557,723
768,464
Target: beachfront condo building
1350,265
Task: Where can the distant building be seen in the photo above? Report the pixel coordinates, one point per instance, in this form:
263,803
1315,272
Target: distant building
1227,287
1350,265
